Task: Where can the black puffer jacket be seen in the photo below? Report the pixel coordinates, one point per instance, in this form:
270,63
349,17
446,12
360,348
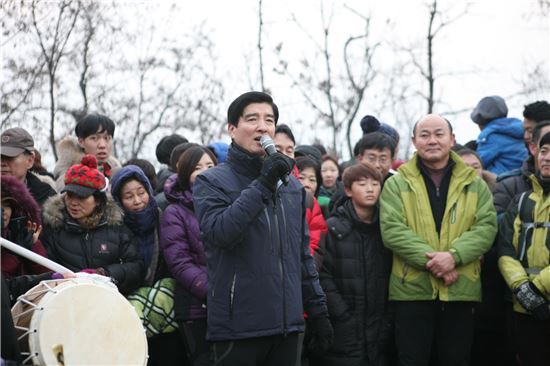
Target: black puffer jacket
109,245
511,184
355,276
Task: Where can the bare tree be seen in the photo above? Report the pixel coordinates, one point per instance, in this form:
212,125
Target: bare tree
335,91
88,61
260,46
398,99
187,99
437,21
52,41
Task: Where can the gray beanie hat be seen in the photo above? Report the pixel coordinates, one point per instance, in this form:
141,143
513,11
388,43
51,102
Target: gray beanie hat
488,109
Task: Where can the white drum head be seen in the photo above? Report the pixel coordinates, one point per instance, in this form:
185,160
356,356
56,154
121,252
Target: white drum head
82,322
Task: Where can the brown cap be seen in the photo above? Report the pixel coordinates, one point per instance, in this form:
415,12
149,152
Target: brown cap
15,141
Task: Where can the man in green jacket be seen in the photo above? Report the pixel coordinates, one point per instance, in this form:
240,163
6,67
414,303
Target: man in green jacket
524,262
437,217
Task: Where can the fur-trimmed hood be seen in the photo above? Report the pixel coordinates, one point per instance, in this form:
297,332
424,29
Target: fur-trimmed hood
18,191
45,179
70,153
55,215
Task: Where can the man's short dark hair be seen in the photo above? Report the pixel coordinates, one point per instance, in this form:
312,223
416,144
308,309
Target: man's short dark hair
446,120
537,111
375,140
466,151
320,147
236,108
537,130
166,145
94,123
283,128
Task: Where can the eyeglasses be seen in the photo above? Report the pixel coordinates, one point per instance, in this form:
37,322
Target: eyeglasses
373,159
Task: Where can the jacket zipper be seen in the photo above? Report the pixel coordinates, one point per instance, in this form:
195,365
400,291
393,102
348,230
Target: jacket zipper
232,294
269,228
453,213
284,224
86,249
281,264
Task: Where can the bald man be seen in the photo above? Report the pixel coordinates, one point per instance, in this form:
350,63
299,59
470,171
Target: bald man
438,218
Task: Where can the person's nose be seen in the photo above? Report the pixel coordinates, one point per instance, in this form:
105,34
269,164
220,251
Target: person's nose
262,125
432,140
137,200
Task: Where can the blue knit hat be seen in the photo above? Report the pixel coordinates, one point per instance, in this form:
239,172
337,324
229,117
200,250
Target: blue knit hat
372,124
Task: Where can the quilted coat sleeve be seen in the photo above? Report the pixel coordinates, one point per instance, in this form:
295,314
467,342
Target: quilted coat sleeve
177,243
512,270
396,234
130,270
336,305
227,219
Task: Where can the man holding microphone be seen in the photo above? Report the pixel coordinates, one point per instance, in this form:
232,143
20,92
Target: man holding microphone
260,271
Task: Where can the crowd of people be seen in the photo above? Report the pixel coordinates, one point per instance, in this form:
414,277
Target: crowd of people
232,254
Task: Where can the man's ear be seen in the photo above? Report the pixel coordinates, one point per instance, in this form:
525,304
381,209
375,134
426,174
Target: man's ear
230,130
348,191
81,142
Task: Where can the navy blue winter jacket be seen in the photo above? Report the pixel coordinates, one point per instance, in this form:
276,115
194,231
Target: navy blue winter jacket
261,275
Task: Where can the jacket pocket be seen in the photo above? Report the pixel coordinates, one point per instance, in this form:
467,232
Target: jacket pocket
346,335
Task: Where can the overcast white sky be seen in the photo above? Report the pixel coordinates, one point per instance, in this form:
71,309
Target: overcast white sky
491,47
487,51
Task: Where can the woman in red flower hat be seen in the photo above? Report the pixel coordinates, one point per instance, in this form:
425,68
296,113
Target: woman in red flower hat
84,229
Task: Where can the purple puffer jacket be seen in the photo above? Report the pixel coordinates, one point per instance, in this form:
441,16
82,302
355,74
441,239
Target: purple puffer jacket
184,253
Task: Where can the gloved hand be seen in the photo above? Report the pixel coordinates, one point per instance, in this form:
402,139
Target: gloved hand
20,234
321,334
275,167
530,297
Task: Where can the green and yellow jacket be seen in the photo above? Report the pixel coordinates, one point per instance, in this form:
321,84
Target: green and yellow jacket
468,230
534,265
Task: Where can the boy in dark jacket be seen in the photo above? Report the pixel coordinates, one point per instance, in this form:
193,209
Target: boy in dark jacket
355,274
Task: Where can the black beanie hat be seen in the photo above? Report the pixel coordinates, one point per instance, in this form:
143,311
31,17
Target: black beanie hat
371,124
166,145
310,151
236,108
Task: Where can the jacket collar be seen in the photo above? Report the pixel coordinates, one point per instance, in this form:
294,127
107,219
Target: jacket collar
347,219
243,163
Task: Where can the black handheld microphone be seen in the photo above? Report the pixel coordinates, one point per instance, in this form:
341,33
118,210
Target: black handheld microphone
269,146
